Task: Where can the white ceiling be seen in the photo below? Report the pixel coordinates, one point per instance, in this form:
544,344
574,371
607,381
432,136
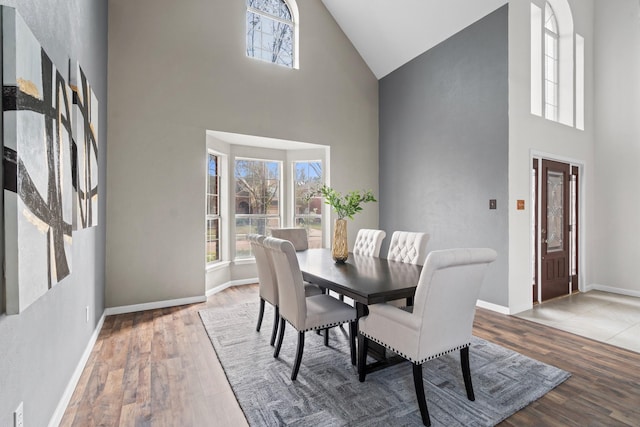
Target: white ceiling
390,33
261,141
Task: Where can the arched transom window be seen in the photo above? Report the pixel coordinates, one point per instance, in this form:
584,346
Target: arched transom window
551,36
271,32
557,64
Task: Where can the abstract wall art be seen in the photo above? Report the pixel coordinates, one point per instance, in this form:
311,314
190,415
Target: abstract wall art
37,161
85,150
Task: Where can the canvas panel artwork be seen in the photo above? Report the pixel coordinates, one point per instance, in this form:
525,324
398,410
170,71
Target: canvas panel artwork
37,157
85,150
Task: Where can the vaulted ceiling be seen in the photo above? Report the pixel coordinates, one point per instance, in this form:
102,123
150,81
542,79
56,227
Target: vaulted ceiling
390,33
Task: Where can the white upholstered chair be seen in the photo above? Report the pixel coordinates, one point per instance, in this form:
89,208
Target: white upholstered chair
297,236
409,247
304,314
268,288
441,319
368,242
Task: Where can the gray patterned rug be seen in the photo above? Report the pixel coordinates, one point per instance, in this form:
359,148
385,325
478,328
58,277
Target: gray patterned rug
328,393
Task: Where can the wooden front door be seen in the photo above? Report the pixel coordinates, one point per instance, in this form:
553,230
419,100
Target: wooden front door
554,234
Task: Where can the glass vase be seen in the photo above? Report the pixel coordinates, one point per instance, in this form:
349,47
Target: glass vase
340,247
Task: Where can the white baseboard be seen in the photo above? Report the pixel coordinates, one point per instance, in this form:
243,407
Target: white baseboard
73,382
153,305
229,284
493,307
610,289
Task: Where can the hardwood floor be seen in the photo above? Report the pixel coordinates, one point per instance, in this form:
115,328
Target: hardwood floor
158,368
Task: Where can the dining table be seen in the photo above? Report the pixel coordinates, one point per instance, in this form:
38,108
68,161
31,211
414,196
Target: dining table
365,279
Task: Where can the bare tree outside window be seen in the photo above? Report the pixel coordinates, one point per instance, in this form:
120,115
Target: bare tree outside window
257,203
270,31
213,209
308,201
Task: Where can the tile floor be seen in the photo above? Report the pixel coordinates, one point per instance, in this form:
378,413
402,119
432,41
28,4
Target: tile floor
606,317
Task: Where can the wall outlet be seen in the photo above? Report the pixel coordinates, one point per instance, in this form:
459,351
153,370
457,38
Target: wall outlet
87,313
18,416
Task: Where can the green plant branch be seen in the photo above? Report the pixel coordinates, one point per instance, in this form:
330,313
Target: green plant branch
348,205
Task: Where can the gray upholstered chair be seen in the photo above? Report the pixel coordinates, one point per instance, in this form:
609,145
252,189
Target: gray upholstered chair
440,321
409,247
304,314
297,236
267,284
368,242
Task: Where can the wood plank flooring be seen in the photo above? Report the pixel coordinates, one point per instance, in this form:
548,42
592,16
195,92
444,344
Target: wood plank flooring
158,368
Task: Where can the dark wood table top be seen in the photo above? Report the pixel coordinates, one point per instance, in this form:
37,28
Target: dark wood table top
367,280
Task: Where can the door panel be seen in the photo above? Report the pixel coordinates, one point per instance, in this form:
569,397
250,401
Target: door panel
555,229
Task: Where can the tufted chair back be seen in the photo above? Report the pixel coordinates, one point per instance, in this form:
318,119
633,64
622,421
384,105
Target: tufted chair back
297,236
368,242
409,247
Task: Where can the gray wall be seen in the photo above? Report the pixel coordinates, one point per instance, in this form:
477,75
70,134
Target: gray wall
616,248
444,146
178,69
41,347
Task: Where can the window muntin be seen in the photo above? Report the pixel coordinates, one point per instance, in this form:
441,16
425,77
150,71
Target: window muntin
257,200
213,209
270,32
551,61
307,182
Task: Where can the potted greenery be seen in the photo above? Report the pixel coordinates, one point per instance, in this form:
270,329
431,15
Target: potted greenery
345,207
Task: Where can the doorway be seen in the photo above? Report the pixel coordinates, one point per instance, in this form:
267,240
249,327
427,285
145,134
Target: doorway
555,201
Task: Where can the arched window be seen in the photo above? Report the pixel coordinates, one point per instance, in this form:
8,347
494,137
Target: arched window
272,31
557,80
551,51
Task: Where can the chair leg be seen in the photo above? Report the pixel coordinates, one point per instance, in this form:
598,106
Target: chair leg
362,357
280,337
353,331
296,365
466,373
276,320
422,401
260,314
326,337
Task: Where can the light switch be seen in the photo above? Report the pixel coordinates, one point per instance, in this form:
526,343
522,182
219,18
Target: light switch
492,204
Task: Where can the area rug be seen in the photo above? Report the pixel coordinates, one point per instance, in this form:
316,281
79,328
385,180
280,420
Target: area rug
327,391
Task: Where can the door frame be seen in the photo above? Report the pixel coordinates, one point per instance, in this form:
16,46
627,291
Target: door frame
536,246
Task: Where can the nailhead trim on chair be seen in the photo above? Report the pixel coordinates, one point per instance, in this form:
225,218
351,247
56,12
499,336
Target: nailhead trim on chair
418,362
328,325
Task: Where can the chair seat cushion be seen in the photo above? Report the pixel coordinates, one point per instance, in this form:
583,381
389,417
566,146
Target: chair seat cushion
311,290
324,311
395,328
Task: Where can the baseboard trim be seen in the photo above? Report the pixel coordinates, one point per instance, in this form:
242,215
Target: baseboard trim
493,307
229,284
56,418
611,289
153,305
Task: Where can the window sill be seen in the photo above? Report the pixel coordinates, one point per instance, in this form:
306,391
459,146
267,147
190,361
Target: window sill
218,265
244,261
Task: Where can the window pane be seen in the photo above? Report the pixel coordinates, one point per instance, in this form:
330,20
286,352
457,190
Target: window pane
213,209
555,211
270,39
257,200
212,239
308,203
